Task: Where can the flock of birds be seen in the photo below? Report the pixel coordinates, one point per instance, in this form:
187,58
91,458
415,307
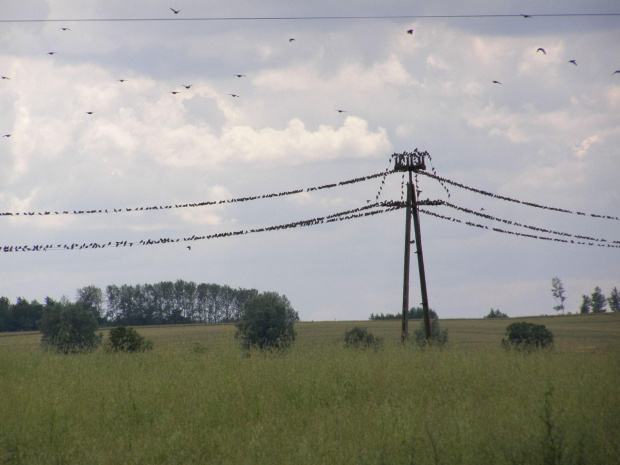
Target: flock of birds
292,39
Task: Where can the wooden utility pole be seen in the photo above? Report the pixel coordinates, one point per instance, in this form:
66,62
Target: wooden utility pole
413,162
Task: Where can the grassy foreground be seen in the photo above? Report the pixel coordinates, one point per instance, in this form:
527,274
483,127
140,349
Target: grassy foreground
316,404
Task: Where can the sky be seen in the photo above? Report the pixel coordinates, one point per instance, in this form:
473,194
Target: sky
77,138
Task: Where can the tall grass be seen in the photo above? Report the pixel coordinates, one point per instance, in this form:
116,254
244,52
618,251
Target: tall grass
315,404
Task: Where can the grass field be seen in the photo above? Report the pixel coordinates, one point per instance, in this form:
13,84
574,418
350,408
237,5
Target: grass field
196,399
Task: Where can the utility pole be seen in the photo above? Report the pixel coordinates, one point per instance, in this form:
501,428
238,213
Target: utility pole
413,162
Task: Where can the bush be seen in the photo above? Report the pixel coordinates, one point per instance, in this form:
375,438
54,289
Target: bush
438,338
267,322
527,336
124,339
360,338
495,314
68,328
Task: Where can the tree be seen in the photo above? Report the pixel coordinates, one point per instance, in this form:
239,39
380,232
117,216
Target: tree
586,304
527,336
557,290
598,301
496,314
91,297
267,322
123,339
614,300
68,328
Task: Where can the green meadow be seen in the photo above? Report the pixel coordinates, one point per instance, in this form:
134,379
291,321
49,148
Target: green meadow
197,399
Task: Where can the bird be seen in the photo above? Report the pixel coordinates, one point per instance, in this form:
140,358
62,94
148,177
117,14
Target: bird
341,111
7,135
176,12
615,72
174,92
540,49
89,112
4,77
526,16
187,87
573,62
51,53
410,32
240,75
122,80
65,28
189,247
291,39
496,82
233,95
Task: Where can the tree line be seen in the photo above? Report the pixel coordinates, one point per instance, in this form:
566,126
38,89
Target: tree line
165,302
415,313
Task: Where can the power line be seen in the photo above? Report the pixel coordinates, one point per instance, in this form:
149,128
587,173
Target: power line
593,242
509,199
361,212
197,204
311,18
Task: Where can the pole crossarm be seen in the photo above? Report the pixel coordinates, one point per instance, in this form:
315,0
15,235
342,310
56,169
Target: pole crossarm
410,161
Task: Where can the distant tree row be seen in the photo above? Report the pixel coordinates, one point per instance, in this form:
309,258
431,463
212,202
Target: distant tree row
597,302
415,313
165,302
495,314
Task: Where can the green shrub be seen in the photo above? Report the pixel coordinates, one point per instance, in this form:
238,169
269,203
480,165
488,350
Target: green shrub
124,339
360,338
527,336
267,322
495,314
68,328
438,338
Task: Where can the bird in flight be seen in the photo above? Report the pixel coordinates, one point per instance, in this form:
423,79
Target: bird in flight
573,62
65,28
615,72
189,247
4,77
89,112
233,95
122,80
7,135
174,92
341,111
410,32
240,75
176,12
291,39
187,87
540,49
496,82
51,53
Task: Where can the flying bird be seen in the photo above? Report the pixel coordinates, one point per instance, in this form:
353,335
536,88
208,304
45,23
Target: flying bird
341,111
7,135
573,62
89,112
496,82
176,12
51,53
189,247
122,80
240,75
540,49
187,87
4,77
410,32
233,95
65,28
291,39
174,92
615,72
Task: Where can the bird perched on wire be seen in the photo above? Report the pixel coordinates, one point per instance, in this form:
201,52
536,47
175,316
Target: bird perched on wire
176,12
540,49
573,62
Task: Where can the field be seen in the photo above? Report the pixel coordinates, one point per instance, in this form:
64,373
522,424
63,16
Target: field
196,399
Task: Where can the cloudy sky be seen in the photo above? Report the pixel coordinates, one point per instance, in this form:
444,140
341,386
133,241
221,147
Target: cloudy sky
548,133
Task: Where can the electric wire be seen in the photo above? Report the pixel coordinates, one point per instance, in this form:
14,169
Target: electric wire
509,199
313,18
